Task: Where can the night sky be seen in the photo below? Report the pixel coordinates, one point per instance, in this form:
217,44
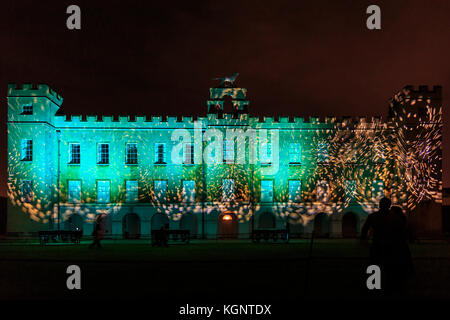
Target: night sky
302,58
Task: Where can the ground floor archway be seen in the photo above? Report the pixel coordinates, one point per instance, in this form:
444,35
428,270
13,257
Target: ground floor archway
349,225
295,226
321,225
227,226
131,226
189,221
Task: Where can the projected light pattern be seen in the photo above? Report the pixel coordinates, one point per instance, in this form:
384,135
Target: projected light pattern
329,166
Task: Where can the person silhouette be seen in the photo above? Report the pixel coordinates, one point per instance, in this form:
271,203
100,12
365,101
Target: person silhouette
389,249
398,261
97,233
377,223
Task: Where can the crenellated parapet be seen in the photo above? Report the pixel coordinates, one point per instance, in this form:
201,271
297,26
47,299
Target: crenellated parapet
423,92
94,121
34,90
413,105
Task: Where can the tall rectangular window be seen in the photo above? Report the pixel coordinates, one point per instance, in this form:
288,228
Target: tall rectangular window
323,191
74,191
160,153
132,191
27,109
350,189
103,191
295,190
27,150
132,157
266,190
27,191
228,190
228,151
377,190
188,191
188,153
379,152
160,189
266,153
103,153
74,153
322,152
295,153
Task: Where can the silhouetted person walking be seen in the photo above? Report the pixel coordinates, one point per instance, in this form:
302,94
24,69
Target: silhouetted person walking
389,249
97,234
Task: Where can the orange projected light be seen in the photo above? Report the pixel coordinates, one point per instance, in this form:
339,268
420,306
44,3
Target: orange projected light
227,217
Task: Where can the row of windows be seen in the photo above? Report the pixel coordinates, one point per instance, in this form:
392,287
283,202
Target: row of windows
188,190
131,154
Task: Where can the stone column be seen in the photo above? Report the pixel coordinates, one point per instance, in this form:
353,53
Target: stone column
336,225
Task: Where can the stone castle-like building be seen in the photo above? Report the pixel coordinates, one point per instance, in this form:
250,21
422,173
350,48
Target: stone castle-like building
316,174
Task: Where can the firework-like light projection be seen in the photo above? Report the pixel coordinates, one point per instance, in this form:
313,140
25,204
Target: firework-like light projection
218,163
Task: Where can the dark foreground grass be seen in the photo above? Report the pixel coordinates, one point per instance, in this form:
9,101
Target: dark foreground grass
210,271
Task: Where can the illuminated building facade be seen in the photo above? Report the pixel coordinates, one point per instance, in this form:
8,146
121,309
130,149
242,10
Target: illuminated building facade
223,174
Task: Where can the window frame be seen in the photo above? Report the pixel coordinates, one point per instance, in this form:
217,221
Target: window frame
273,191
166,191
226,151
191,145
298,154
129,156
266,160
233,193
68,191
109,184
28,112
70,162
289,190
99,154
157,162
183,191
321,153
126,191
28,153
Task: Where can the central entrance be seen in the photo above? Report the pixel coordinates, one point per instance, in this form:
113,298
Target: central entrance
227,226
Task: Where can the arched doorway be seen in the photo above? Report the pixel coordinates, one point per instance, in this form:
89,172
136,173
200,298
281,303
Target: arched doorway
295,226
189,222
227,226
266,220
74,222
321,226
131,226
107,225
349,222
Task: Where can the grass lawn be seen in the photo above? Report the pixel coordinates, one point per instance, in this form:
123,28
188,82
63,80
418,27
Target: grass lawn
209,270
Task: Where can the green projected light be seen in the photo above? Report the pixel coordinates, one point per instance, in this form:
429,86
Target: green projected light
264,172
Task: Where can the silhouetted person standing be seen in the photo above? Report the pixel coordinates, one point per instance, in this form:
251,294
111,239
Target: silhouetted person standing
377,223
389,249
97,234
398,261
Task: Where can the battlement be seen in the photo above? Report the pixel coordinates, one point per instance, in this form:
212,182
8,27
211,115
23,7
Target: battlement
106,121
423,91
34,90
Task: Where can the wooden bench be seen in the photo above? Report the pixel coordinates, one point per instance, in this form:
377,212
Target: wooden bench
60,236
269,235
174,235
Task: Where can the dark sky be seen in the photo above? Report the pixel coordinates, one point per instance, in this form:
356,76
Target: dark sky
296,58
